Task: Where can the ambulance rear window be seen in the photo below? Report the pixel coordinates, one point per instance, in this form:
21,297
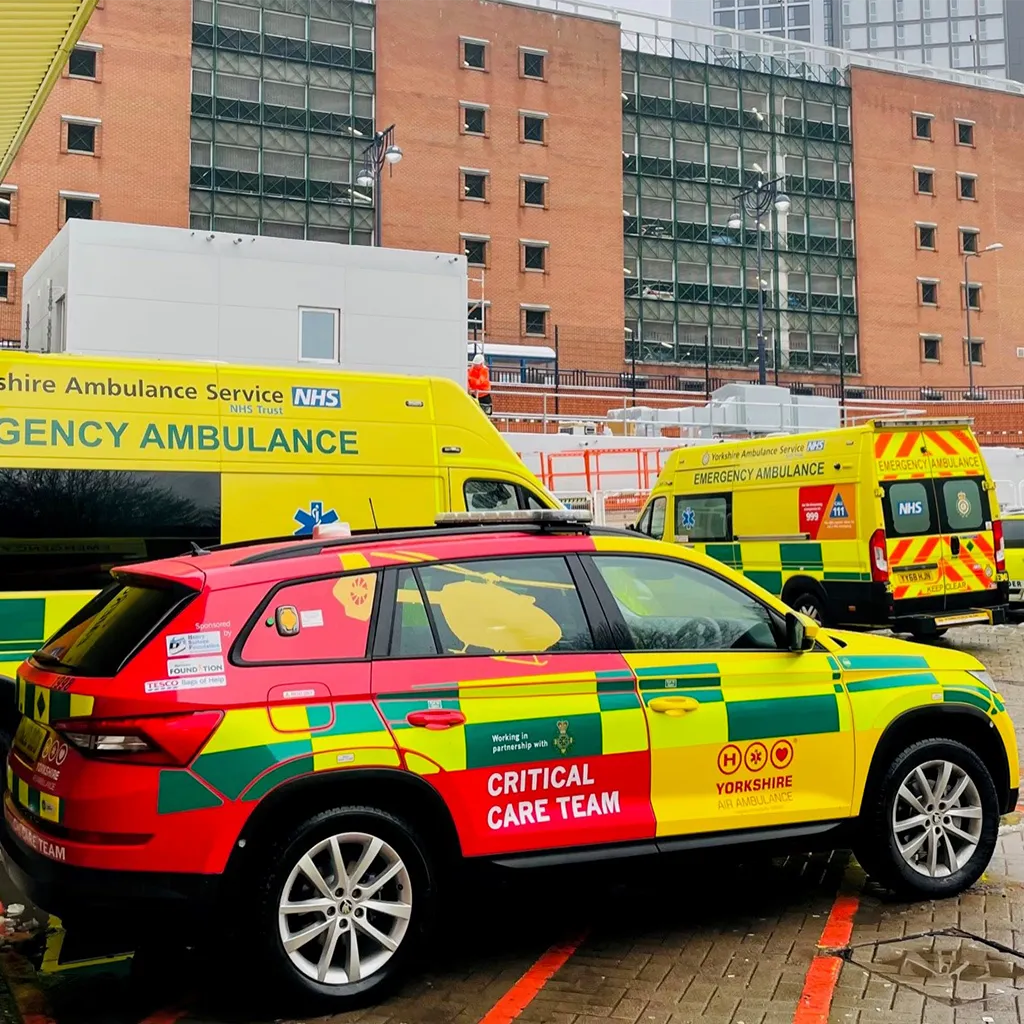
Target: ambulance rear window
1013,533
910,508
964,504
107,632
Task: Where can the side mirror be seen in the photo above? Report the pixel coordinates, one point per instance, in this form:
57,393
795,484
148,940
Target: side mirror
631,526
801,632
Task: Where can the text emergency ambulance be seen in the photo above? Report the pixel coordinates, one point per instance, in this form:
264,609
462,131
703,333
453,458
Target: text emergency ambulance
108,461
892,523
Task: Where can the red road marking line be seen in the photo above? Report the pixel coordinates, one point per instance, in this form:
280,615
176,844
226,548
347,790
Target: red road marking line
523,992
820,981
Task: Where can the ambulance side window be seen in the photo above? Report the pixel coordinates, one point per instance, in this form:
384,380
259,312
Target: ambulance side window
490,496
909,508
314,620
653,521
704,517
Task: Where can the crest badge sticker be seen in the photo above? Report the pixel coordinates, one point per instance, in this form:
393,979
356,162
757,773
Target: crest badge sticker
563,741
963,504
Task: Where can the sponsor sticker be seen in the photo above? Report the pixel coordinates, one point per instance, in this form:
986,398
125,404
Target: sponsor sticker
186,683
180,645
313,617
194,666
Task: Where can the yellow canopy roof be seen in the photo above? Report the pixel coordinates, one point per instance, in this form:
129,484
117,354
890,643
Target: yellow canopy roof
36,37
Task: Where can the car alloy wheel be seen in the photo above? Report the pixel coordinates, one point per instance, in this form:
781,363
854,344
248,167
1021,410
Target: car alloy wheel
937,818
345,908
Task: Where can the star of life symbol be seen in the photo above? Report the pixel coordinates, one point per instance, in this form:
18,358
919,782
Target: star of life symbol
963,505
689,518
316,516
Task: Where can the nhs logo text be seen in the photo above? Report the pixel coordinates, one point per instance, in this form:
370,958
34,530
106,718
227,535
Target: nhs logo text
321,398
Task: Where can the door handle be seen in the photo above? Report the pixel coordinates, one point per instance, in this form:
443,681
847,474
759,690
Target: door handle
674,707
436,718
954,545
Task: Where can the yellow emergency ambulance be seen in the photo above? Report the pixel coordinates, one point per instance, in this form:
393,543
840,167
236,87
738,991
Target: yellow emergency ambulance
107,461
890,524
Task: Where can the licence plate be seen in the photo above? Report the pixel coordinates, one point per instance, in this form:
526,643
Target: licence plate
29,739
921,576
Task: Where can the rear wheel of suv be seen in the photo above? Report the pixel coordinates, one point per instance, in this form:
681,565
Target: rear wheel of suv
930,825
343,902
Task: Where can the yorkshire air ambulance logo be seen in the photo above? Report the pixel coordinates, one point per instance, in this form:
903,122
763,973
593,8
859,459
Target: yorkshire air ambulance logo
563,741
963,505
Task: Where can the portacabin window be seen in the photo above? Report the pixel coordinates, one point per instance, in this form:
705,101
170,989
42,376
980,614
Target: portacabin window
319,339
704,517
314,620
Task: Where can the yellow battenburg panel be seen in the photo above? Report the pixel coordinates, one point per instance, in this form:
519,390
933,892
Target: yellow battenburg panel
623,732
246,727
493,709
444,747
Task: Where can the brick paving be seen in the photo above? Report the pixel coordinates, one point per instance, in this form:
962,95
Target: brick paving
677,941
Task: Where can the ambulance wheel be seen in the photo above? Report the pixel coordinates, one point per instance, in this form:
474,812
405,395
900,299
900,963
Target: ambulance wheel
343,902
930,823
810,604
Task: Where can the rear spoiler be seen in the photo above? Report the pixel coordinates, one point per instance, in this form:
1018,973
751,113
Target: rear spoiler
148,572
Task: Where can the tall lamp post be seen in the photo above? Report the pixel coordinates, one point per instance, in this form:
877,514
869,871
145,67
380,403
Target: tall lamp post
994,247
380,152
757,201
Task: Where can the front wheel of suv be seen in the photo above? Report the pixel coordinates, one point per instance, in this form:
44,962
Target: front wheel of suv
930,825
343,902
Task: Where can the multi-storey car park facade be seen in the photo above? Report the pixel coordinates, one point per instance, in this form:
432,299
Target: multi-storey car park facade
510,117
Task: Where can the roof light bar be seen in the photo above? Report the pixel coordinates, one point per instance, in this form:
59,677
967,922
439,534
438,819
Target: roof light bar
928,423
500,517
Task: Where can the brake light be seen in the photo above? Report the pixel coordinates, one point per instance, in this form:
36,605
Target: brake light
997,543
151,739
878,557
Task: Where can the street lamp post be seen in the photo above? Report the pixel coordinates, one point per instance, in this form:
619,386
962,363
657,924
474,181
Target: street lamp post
994,247
757,201
381,150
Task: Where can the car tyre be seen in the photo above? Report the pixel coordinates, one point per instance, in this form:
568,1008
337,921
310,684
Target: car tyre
810,604
930,825
372,844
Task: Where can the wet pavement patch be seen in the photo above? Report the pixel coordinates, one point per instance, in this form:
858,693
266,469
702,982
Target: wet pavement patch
949,966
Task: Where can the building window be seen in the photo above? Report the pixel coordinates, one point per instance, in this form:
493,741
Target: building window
968,239
535,322
967,186
534,192
7,197
965,133
928,292
532,63
79,208
923,126
926,236
976,347
972,292
474,185
82,63
474,120
6,273
475,250
474,54
81,137
318,335
534,255
924,180
477,315
930,348
533,127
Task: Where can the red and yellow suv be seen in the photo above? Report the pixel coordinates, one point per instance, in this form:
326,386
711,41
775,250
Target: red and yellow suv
323,726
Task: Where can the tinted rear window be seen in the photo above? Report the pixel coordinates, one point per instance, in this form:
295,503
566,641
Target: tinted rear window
1013,533
104,635
909,509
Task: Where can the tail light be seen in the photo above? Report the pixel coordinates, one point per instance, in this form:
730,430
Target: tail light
151,739
997,543
878,557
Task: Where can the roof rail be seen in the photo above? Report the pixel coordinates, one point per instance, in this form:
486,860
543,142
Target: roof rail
938,421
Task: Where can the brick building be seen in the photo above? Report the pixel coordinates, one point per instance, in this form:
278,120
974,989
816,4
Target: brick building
588,174
111,141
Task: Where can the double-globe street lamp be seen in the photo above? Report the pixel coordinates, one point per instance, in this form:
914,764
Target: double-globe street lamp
381,152
757,201
994,247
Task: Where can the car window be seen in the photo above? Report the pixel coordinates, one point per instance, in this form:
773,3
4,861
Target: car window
101,638
1013,533
506,606
672,606
964,503
490,496
909,508
643,524
411,635
315,620
532,501
704,517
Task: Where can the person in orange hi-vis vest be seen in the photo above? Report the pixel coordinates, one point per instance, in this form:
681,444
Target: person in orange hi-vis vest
480,383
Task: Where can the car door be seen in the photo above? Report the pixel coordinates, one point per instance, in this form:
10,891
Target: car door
744,732
490,677
968,546
914,544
